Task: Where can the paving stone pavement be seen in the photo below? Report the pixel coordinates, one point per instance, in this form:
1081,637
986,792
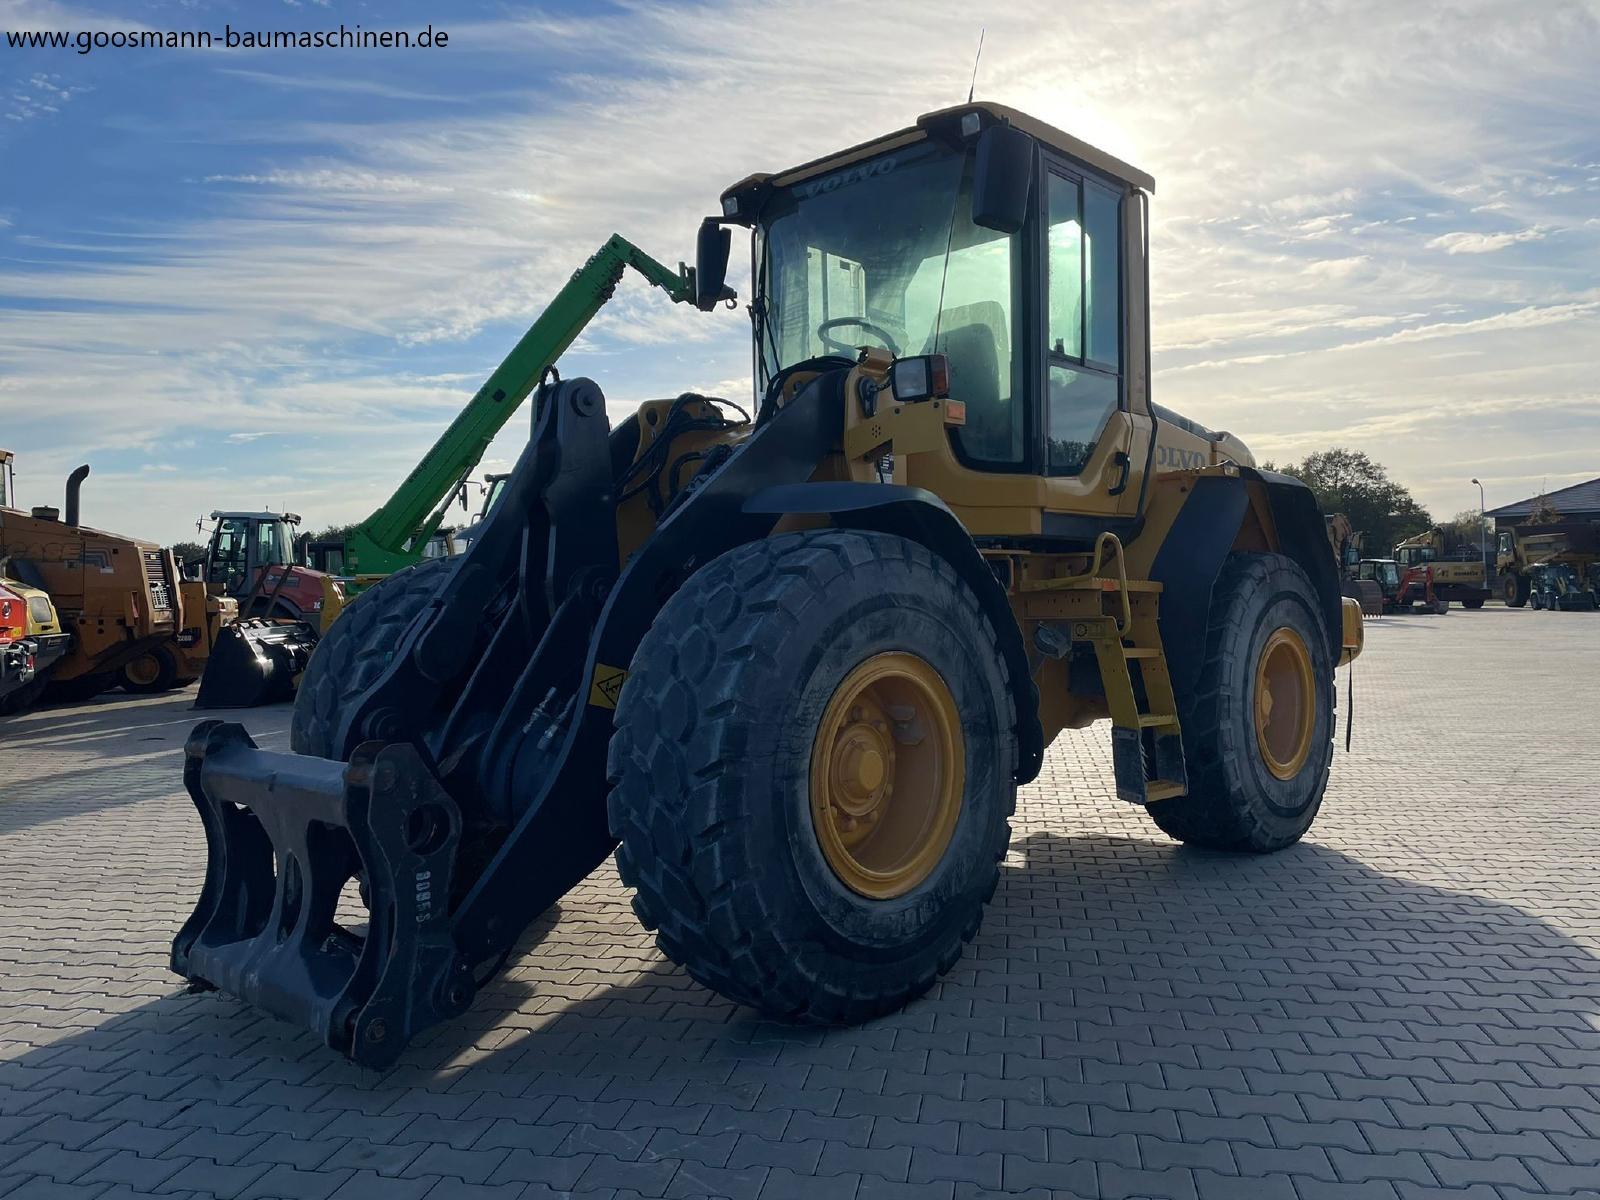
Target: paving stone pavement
1407,1005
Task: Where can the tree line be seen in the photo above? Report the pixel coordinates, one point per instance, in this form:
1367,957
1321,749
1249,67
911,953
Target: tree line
1352,482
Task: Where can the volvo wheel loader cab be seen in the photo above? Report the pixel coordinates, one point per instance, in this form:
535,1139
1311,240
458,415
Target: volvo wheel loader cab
792,663
116,596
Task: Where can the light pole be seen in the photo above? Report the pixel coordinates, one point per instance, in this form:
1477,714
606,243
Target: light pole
1483,536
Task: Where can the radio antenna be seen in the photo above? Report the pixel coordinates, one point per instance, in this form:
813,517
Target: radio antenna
975,60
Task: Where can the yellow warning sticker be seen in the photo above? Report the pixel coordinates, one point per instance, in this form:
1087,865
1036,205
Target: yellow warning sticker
607,685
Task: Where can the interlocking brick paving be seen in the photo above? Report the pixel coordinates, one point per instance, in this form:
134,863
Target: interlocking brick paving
1407,1005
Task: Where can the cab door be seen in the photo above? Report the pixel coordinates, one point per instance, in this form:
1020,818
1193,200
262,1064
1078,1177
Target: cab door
1094,427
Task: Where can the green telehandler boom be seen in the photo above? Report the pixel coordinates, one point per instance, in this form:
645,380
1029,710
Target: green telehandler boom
394,535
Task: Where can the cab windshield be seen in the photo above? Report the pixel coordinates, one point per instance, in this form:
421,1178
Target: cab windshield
1386,574
858,257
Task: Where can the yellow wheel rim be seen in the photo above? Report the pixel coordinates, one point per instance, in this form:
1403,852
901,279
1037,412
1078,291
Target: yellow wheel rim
1286,703
888,768
143,670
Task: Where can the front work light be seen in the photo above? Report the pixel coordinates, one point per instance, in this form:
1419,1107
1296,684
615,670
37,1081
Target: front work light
922,378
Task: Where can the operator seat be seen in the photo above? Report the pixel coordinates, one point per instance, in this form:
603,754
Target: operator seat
973,337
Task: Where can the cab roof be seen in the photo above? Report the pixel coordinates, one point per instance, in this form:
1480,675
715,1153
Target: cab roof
291,518
951,118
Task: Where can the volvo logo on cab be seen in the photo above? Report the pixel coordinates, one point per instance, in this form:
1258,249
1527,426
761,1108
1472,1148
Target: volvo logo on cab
1175,459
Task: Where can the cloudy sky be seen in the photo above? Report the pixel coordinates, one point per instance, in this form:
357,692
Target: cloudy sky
231,278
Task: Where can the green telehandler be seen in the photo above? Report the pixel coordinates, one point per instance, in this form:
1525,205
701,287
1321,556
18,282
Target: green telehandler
396,534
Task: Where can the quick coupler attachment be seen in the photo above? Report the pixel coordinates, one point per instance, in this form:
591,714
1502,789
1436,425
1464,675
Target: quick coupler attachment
285,835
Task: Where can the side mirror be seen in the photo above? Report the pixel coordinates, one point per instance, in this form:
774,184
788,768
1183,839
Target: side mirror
1002,179
711,264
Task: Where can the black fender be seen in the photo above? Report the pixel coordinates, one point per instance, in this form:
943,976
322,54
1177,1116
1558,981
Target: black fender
1191,558
921,517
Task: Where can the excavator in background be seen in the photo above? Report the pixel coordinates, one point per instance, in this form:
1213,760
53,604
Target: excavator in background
1520,549
1401,590
117,597
1346,542
1458,573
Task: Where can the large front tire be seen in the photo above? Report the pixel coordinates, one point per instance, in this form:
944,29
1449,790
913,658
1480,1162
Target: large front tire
1514,589
775,695
354,652
1258,725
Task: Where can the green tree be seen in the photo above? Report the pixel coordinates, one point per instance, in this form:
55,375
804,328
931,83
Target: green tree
1466,528
333,533
188,552
1350,482
1544,513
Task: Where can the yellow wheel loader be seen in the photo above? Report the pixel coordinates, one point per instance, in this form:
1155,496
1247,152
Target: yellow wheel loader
792,666
183,660
117,596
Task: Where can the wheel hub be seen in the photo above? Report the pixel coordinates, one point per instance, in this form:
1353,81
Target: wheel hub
1285,703
143,670
862,765
887,774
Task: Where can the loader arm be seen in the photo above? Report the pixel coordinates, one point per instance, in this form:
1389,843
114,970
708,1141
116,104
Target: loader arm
393,536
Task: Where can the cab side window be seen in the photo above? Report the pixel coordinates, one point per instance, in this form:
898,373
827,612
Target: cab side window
1084,331
267,551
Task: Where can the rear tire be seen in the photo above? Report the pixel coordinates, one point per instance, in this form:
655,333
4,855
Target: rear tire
1475,603
357,648
1237,800
151,673
80,688
713,767
24,698
1536,600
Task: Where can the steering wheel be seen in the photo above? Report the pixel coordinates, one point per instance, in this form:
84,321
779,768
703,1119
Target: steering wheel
849,351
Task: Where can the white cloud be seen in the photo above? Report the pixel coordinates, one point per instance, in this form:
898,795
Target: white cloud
1463,242
1305,161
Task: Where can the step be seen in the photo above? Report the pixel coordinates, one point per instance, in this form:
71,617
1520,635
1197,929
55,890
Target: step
1141,652
1089,583
1162,789
1156,720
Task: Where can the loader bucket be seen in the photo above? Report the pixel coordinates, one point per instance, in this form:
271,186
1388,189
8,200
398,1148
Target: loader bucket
255,661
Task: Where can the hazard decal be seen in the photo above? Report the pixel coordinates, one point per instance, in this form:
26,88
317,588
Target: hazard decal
607,685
